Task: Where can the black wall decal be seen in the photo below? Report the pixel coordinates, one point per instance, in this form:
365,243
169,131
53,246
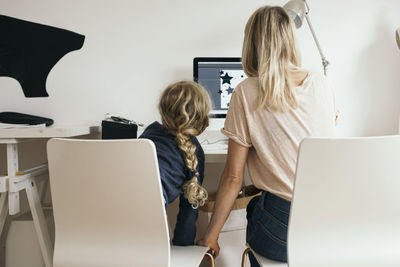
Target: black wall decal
28,51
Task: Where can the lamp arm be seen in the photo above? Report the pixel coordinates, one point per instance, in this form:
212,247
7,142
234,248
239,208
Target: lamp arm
325,62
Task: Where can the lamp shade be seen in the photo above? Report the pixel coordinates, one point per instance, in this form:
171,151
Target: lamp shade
398,37
296,9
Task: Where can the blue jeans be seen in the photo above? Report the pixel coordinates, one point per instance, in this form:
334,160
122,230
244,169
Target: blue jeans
267,221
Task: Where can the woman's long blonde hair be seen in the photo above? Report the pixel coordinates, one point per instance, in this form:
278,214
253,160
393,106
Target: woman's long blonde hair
184,108
270,54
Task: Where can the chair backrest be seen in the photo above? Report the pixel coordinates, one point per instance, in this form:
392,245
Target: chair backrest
107,201
346,204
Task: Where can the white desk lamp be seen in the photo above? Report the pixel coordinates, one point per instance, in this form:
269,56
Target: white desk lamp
398,37
298,9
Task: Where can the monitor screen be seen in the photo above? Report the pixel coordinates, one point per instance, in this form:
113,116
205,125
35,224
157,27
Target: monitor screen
219,76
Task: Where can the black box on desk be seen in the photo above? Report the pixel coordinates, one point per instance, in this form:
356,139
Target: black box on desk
118,130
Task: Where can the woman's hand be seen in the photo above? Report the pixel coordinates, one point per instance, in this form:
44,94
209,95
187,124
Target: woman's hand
212,244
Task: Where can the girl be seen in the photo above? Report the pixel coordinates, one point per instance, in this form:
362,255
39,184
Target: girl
184,108
269,114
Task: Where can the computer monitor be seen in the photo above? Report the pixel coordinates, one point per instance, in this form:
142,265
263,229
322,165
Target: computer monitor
219,76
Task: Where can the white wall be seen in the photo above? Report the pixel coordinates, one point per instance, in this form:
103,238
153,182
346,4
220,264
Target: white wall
133,49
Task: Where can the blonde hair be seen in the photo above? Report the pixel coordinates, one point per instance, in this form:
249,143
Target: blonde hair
270,53
184,108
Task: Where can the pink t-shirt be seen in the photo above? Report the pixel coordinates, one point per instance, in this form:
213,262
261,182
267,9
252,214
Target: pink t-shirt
273,138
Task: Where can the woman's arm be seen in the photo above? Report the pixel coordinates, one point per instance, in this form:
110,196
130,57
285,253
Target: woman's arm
229,186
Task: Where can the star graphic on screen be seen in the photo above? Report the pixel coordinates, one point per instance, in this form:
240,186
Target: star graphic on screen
221,72
226,78
220,91
230,90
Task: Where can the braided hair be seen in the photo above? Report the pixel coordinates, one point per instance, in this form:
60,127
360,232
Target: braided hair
184,108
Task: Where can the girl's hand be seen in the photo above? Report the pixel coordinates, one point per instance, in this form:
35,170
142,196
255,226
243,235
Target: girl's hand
212,244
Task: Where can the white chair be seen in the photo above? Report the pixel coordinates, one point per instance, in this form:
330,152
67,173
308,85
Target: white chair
346,205
108,206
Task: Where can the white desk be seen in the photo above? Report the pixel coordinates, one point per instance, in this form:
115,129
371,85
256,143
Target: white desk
215,153
214,143
17,180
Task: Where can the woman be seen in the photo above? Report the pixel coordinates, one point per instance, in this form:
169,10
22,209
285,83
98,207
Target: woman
269,114
183,107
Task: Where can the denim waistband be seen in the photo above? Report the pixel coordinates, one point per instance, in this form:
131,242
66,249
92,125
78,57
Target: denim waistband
275,201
